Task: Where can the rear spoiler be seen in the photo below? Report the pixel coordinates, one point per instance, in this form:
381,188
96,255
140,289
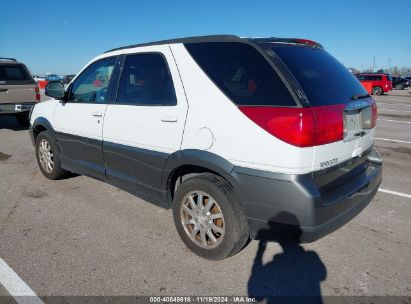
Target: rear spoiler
289,40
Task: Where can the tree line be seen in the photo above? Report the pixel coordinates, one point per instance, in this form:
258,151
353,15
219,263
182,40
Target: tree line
394,71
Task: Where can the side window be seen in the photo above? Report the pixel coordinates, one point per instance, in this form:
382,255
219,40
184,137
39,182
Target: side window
241,73
92,84
146,80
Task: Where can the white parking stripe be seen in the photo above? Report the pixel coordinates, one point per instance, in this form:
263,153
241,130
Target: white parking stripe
394,140
15,286
394,104
392,110
395,193
391,120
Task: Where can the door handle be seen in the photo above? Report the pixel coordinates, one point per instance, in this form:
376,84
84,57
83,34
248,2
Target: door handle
4,90
97,114
169,119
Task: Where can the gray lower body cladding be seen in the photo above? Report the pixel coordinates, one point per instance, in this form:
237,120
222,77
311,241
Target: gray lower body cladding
306,207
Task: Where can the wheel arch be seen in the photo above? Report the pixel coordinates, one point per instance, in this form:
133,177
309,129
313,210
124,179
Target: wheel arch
41,124
187,163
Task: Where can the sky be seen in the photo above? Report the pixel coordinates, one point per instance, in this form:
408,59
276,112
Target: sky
54,36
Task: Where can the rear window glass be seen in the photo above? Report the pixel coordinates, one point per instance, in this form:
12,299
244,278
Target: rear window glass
241,73
324,80
13,73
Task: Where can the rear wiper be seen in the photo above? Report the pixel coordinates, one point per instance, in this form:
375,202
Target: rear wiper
358,96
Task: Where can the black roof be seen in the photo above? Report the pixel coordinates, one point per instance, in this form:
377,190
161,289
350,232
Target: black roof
8,59
217,38
209,38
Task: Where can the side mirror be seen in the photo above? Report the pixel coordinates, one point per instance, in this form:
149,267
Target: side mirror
55,89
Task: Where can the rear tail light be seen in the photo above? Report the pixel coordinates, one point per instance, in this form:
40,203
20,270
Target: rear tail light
37,90
302,127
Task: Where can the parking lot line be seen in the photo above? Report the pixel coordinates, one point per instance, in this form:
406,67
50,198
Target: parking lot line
392,120
395,193
16,287
393,110
394,104
393,140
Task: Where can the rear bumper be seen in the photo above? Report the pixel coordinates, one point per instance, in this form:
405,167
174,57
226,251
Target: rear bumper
295,206
15,108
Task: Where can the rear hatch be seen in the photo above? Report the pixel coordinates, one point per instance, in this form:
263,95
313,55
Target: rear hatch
344,112
16,84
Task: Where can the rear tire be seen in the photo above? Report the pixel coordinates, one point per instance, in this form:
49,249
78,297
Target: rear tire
209,218
23,119
48,156
377,91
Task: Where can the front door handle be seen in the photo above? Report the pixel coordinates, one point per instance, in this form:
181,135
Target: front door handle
169,119
97,114
4,90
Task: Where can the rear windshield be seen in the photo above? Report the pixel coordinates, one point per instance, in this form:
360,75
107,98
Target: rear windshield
324,80
241,73
14,74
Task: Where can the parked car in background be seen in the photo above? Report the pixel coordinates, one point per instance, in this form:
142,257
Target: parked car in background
53,77
18,90
264,138
381,83
67,78
400,83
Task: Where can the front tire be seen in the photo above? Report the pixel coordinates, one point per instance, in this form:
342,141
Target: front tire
209,218
48,156
399,87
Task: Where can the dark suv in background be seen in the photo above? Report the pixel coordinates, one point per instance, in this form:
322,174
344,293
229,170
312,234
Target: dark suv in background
400,83
18,90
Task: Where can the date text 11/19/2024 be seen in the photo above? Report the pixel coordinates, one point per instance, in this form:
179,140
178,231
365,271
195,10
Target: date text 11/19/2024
203,299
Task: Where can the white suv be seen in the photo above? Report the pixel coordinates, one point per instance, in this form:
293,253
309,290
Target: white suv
263,138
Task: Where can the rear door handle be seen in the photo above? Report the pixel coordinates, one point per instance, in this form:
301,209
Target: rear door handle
97,114
169,119
4,90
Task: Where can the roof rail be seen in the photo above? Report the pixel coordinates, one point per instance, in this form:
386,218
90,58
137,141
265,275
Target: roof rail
183,40
11,59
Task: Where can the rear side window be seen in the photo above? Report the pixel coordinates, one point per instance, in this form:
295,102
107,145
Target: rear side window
324,80
146,80
241,73
14,74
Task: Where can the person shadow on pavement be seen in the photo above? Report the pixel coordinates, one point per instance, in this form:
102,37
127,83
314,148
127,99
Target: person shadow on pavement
293,276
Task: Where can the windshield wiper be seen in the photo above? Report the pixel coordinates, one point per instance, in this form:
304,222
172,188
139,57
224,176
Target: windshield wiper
358,96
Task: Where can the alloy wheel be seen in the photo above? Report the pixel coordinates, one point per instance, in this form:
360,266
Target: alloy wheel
46,156
202,219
